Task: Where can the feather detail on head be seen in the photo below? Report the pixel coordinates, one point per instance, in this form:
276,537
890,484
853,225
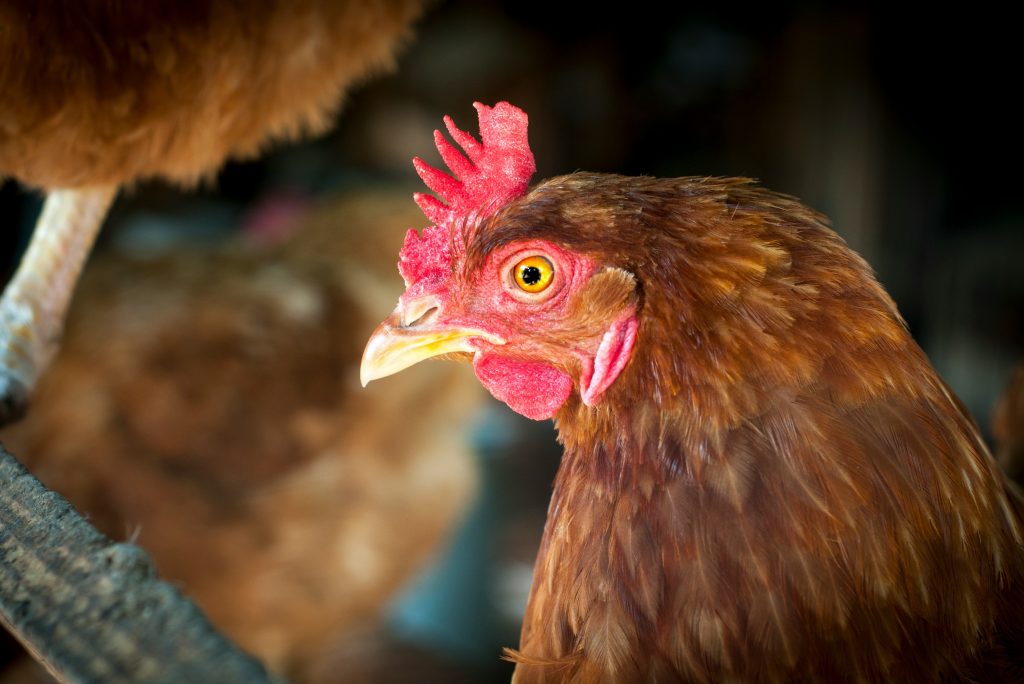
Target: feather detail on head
488,174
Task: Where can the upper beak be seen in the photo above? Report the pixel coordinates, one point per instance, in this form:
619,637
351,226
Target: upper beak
398,343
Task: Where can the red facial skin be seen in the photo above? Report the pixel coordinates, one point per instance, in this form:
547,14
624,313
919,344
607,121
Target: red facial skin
545,352
535,371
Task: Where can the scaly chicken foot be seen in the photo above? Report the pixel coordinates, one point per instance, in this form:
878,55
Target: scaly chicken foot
35,303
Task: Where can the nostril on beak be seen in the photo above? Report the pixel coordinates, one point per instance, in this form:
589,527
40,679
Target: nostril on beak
427,316
420,312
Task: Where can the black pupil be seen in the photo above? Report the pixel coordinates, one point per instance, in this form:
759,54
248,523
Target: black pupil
530,275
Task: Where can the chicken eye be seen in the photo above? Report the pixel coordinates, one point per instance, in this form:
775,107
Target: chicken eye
533,274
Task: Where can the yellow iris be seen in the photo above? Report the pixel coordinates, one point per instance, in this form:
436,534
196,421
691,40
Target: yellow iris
533,274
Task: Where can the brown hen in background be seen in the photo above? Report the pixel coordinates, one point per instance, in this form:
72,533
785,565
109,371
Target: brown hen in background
211,410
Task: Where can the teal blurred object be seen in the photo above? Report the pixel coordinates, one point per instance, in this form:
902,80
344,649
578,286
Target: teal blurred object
451,609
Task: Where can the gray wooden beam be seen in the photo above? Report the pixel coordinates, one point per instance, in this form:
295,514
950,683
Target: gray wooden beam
92,610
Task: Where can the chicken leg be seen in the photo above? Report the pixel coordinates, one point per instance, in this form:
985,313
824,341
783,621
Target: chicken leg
35,302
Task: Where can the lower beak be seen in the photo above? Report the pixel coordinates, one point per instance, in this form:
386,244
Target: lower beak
393,347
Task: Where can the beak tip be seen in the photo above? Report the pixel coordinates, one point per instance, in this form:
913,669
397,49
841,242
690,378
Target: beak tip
366,374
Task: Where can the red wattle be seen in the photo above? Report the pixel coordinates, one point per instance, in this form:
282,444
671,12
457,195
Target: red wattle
533,389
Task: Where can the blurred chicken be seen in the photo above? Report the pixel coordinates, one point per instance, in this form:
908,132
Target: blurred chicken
99,94
207,403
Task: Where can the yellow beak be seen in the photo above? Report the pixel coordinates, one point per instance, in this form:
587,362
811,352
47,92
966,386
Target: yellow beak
394,347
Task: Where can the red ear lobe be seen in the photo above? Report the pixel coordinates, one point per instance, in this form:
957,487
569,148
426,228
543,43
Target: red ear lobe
612,356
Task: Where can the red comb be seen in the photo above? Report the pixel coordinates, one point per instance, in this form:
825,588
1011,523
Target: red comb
488,174
425,258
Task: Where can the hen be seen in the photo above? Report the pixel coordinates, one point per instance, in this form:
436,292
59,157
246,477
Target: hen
223,428
763,478
100,94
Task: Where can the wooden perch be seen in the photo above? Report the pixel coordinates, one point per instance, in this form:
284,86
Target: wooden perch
92,610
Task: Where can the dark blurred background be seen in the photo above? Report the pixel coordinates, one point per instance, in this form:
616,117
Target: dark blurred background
902,124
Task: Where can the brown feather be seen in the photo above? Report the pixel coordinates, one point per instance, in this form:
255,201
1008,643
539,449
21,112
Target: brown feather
778,487
101,92
1008,427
